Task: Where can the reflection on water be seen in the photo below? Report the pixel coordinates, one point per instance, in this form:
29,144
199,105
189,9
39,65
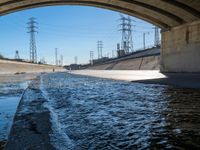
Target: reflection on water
105,114
10,94
183,117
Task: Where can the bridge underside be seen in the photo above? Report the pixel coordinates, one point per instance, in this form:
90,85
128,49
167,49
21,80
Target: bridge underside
178,19
163,13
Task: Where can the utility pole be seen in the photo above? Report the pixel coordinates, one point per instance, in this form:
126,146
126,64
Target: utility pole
113,53
76,60
32,29
156,36
56,56
61,60
126,29
17,55
144,39
91,57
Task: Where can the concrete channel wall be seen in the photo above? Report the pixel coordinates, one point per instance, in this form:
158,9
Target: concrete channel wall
144,60
12,67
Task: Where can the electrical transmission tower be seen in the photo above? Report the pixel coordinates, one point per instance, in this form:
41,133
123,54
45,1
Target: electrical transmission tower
32,29
99,48
17,54
91,57
126,29
156,38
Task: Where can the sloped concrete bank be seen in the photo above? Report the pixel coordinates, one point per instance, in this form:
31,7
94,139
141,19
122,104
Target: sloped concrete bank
141,60
144,63
11,67
31,127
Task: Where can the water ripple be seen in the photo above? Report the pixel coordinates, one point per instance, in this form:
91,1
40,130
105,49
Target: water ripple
107,114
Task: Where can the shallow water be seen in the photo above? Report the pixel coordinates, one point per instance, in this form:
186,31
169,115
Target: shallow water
10,94
96,113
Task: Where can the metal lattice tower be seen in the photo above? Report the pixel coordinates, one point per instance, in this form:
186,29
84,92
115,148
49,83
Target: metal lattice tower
32,29
156,38
99,48
91,57
126,29
17,54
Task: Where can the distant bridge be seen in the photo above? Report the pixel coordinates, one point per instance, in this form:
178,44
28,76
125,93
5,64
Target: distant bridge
178,19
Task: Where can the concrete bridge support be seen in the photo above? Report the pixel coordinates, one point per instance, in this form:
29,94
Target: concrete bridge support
180,50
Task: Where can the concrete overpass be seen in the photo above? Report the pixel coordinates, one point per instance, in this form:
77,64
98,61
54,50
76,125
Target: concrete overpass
178,19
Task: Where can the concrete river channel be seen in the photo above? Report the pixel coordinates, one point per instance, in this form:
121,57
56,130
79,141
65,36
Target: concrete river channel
94,113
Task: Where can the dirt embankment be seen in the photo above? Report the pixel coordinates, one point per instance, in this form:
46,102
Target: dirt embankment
12,67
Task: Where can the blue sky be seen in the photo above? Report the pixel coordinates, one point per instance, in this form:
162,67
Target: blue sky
74,30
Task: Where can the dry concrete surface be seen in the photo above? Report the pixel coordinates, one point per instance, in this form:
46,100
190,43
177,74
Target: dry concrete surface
12,67
180,80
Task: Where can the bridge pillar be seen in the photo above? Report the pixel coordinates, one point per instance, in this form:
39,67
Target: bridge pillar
180,50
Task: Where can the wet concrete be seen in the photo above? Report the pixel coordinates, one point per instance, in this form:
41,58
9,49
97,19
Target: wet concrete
31,126
11,90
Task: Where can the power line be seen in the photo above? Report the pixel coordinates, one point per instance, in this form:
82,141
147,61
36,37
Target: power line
32,29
